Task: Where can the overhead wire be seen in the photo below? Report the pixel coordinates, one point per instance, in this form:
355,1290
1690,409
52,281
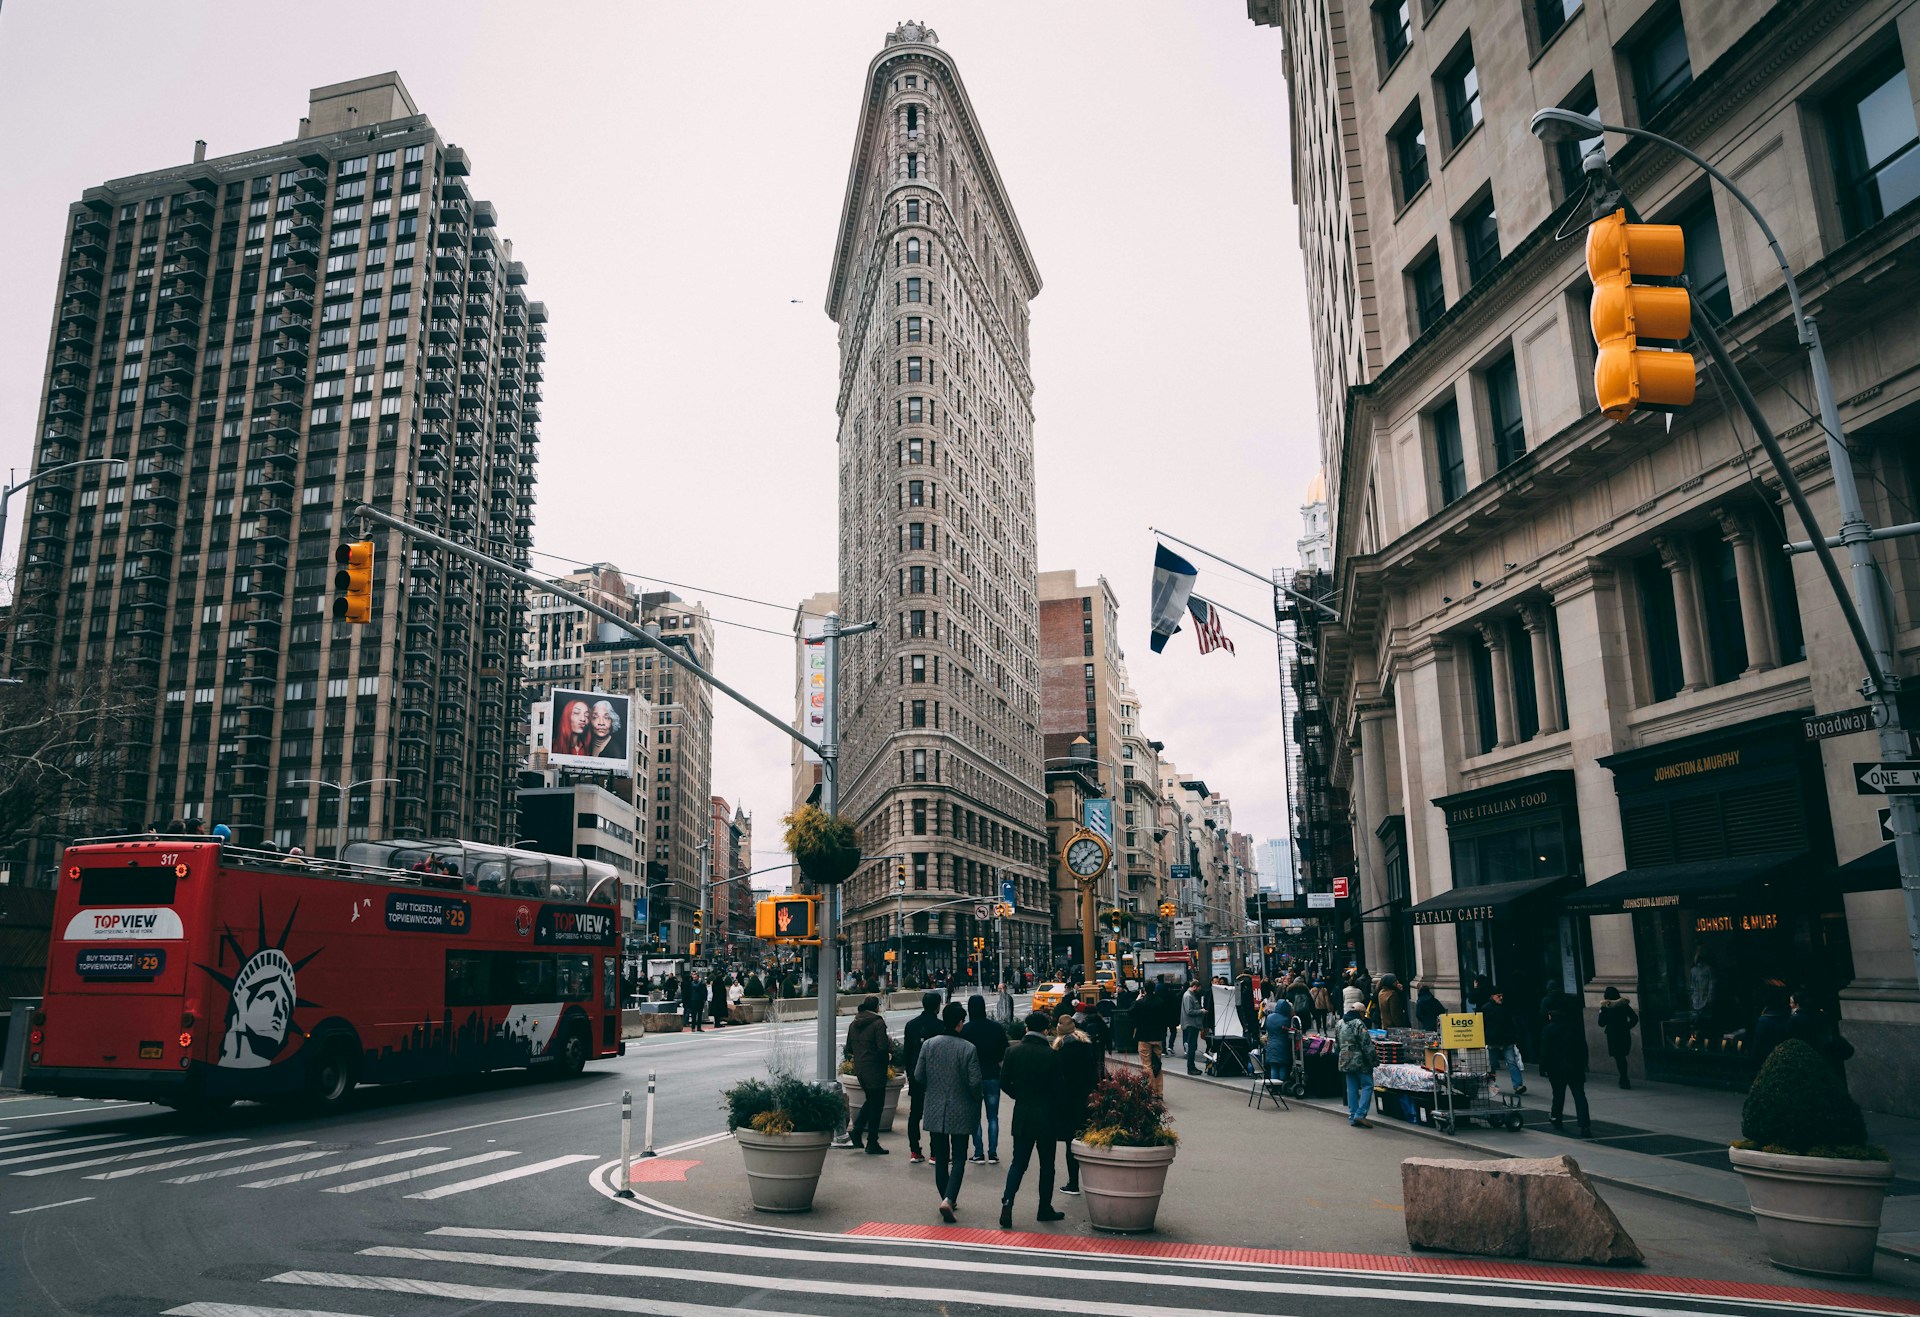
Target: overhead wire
679,585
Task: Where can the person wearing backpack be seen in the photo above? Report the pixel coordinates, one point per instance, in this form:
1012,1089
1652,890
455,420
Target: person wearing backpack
1356,1060
1617,1019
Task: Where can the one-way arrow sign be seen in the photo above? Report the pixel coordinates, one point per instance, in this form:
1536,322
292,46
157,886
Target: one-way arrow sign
1886,779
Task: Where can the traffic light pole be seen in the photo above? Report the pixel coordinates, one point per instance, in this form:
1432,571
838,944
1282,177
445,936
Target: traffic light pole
1864,607
827,747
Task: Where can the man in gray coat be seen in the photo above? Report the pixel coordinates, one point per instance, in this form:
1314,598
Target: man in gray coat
948,1073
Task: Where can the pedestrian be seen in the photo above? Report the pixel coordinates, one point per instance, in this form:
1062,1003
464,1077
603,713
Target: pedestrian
1005,1004
1356,1057
1774,1026
222,833
1088,1018
1479,993
1080,1063
1351,996
1322,1004
1196,1018
1427,1009
721,986
1616,1020
989,1039
696,997
1503,1038
870,1049
1279,1044
1030,1075
948,1069
1299,995
1392,999
920,1028
1244,1006
1149,1035
1563,1060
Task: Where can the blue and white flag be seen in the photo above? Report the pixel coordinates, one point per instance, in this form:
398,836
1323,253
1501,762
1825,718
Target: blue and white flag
1173,578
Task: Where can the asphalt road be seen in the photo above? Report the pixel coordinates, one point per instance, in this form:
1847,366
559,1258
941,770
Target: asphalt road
452,1199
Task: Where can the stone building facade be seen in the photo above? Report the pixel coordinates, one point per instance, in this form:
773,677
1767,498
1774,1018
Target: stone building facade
266,338
940,739
1572,660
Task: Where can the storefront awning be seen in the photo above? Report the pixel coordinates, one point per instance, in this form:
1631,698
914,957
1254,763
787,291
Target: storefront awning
1472,905
1703,882
1876,871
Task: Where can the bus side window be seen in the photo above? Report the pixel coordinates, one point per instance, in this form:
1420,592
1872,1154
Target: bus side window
490,876
529,877
533,978
576,978
563,889
467,978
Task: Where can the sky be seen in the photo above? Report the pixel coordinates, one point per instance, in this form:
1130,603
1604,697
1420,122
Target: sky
671,173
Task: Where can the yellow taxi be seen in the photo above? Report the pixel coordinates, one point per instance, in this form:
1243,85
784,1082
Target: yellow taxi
1048,996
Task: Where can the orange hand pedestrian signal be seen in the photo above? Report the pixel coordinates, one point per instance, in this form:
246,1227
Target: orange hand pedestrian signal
786,919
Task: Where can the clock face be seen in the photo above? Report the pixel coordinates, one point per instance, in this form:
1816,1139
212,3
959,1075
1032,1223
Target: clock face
1086,857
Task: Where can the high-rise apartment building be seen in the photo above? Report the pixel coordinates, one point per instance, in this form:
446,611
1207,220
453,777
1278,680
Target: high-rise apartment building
940,741
565,646
1559,719
266,338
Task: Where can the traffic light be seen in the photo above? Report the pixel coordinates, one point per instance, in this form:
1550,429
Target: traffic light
900,874
786,919
699,920
1004,910
693,947
353,583
979,944
1626,375
1167,909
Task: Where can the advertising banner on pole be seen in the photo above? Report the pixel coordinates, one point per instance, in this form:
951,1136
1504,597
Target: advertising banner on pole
813,687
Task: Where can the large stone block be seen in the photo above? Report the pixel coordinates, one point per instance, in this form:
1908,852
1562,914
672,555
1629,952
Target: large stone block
1541,1208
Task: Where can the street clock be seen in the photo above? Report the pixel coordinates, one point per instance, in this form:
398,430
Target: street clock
1088,854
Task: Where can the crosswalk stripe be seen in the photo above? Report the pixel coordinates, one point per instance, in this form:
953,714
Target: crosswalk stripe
268,1165
125,1171
123,1156
542,1298
325,1171
56,1129
95,1142
49,1115
246,1310
416,1173
464,1186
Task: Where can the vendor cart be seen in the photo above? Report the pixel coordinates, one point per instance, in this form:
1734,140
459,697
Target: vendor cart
1463,1091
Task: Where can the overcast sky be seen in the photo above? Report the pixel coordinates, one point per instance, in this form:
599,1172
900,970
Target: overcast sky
671,172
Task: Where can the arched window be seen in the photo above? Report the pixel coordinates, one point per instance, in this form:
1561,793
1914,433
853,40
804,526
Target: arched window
913,251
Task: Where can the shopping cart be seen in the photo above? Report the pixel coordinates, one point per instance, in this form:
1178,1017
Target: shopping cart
1463,1091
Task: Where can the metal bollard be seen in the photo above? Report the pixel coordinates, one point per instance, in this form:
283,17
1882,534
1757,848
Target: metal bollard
626,1145
648,1150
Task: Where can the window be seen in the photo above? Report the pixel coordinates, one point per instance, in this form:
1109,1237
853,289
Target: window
913,329
913,290
1552,15
1480,238
913,165
1503,409
919,713
913,121
1449,461
1661,69
913,251
916,493
920,775
1460,82
1486,723
1526,697
1395,20
1720,602
1571,155
1660,626
915,370
917,667
1409,146
1873,139
1427,292
916,580
1706,265
913,210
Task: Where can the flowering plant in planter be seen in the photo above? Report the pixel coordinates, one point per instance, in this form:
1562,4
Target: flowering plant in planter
1124,1112
825,846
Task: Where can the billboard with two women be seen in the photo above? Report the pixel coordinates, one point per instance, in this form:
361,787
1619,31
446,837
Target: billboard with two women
593,731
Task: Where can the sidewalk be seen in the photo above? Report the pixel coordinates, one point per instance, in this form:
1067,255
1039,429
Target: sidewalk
1665,1139
1282,1184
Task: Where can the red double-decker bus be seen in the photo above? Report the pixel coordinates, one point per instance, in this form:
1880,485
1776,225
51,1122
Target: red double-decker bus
193,973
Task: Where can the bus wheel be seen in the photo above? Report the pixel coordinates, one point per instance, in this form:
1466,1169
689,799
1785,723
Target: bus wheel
571,1057
333,1075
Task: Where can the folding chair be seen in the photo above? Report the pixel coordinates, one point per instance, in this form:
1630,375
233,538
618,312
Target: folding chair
1263,1087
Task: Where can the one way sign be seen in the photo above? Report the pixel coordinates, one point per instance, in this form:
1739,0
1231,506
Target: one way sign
1887,779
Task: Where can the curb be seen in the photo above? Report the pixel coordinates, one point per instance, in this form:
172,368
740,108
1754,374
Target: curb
1894,1251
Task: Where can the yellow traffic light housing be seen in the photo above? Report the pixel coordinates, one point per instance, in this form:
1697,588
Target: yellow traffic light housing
1167,909
699,920
787,919
1627,376
353,583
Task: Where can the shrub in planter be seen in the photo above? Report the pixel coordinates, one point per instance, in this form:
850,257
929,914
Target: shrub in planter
1125,1149
825,846
1815,1184
755,988
784,1127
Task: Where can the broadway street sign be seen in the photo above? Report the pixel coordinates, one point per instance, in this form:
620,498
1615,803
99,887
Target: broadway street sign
1820,726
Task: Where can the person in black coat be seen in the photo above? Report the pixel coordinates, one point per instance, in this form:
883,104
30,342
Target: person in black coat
989,1039
1617,1019
1427,1009
696,1000
920,1028
1080,1066
1774,1026
1030,1075
1563,1060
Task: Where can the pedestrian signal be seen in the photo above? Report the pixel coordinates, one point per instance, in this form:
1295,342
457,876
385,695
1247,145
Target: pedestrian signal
353,583
1626,375
786,919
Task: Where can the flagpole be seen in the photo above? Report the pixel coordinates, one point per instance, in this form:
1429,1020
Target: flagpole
1236,612
1267,581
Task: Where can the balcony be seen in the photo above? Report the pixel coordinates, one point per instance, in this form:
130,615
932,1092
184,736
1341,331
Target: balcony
282,425
92,222
288,376
447,283
169,416
301,252
310,181
291,400
309,203
184,271
285,347
180,314
190,248
199,202
291,276
73,358
304,226
80,313
298,326
176,367
70,382
449,255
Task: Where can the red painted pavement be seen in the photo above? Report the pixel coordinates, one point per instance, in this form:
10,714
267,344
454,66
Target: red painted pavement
1462,1268
651,1170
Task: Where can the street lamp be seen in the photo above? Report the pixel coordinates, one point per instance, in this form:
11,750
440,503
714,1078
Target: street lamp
1865,608
340,846
8,490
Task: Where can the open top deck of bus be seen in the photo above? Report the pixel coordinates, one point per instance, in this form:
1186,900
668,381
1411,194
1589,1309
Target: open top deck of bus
494,870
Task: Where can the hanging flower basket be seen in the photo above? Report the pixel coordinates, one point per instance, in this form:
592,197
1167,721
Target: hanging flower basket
824,845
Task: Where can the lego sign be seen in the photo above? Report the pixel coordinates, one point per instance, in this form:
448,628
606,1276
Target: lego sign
1463,1031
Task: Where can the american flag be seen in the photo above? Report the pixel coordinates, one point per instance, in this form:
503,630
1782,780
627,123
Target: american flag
1206,621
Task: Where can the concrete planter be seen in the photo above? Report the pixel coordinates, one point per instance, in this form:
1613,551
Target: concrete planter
1818,1215
783,1170
1122,1186
857,1098
749,1010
